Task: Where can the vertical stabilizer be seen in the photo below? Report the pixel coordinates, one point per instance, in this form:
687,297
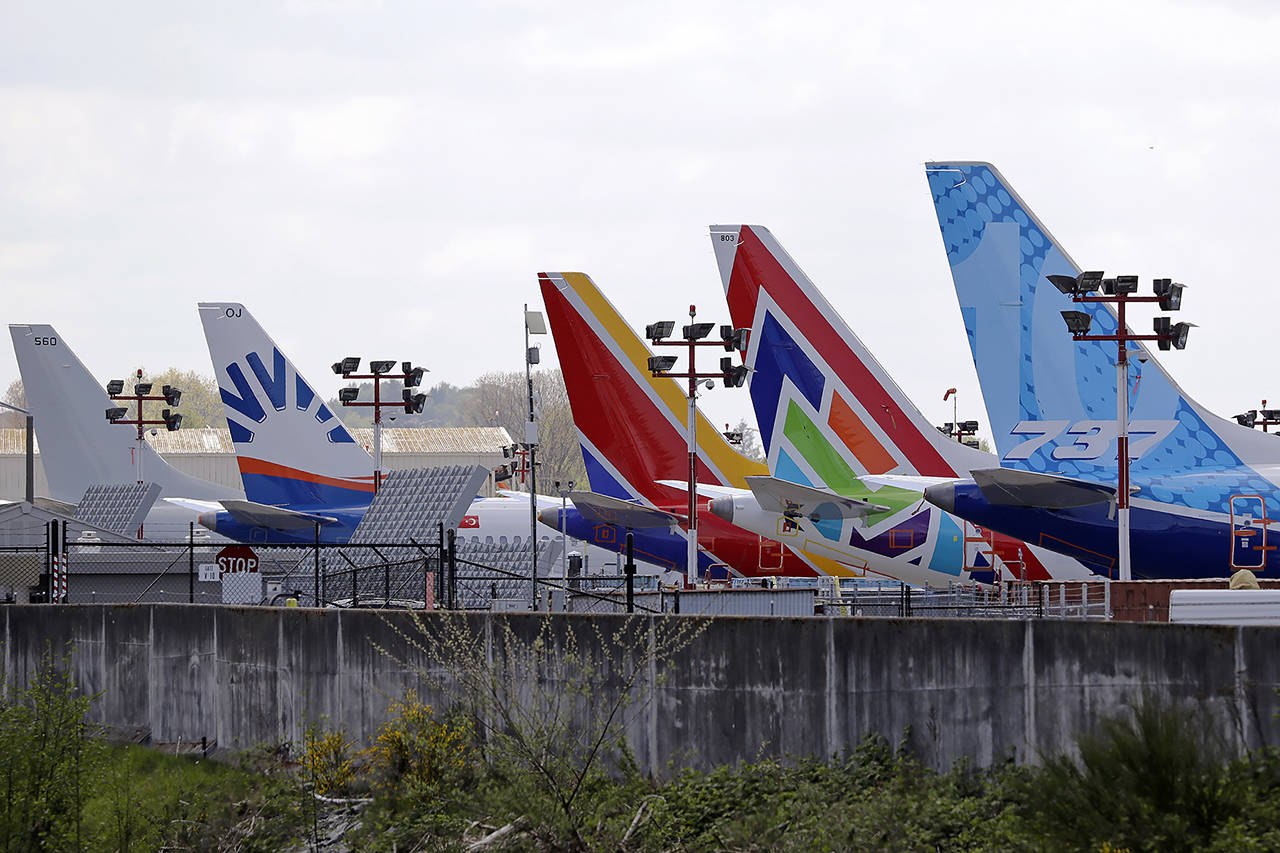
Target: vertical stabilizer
813,382
78,446
1052,400
291,448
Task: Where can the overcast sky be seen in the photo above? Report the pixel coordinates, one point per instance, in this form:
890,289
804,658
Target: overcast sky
386,179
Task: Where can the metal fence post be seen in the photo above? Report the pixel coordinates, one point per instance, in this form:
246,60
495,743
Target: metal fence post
629,569
441,584
317,558
453,571
191,562
48,559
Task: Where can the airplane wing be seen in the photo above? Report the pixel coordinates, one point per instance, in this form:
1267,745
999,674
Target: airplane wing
607,510
1011,487
275,517
794,500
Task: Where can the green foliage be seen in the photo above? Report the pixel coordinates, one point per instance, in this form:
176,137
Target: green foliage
1154,780
46,761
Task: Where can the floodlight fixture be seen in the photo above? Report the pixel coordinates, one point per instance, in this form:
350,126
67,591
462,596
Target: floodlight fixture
413,403
1078,322
346,366
115,387
1077,285
737,377
172,396
1180,332
412,375
696,331
142,389
115,413
1121,285
348,395
659,364
969,426
659,331
732,437
1250,418
971,442
734,338
945,429
172,420
1170,293
380,367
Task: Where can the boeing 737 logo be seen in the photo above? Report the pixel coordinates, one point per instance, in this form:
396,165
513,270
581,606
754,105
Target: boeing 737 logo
1086,439
274,385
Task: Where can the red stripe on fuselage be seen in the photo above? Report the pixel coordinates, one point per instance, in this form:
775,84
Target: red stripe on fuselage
271,469
754,268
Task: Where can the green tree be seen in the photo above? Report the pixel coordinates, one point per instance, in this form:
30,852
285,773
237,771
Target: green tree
502,399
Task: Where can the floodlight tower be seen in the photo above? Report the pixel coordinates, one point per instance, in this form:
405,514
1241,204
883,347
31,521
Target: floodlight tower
141,393
534,324
733,376
411,403
1119,291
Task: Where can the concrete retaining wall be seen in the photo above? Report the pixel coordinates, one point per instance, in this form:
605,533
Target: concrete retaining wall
748,687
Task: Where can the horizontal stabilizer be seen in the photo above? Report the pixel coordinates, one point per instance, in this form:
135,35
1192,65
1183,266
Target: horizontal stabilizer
603,509
194,505
705,490
794,500
275,517
1011,487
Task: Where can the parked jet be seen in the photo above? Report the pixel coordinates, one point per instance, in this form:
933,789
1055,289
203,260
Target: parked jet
299,464
829,414
1203,488
633,432
79,447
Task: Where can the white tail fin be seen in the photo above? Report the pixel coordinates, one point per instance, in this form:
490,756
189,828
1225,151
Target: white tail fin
291,448
78,446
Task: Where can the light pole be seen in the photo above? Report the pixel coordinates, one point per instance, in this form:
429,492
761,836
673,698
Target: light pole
1119,291
141,393
533,325
564,510
411,403
31,449
733,377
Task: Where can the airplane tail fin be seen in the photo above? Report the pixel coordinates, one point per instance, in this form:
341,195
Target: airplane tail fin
632,426
827,410
78,446
1051,400
291,448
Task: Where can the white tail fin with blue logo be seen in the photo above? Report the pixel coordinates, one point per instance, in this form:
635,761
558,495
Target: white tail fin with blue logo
79,447
291,447
1052,400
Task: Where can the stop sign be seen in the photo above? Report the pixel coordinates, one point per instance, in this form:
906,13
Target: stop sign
237,558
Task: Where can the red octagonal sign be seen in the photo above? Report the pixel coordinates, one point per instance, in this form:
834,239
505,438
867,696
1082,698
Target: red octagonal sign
237,558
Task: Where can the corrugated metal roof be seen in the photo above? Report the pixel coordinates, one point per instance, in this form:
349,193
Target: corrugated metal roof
206,440
442,440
